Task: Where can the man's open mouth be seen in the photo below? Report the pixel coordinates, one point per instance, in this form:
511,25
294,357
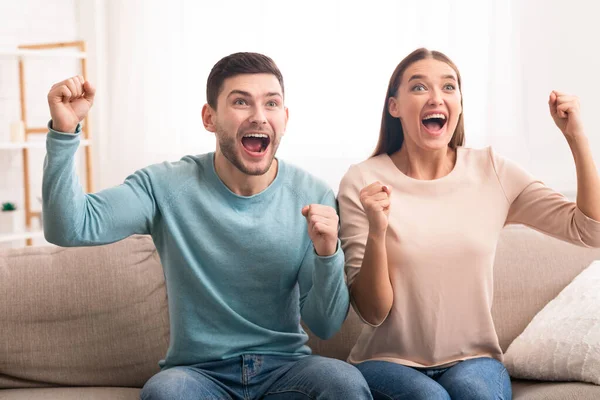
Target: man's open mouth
434,122
256,142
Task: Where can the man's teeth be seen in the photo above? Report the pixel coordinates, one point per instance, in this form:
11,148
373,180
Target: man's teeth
430,116
257,135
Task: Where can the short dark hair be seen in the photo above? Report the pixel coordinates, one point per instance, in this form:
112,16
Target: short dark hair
236,64
391,135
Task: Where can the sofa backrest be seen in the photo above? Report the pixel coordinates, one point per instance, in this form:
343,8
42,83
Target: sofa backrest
97,316
90,316
530,270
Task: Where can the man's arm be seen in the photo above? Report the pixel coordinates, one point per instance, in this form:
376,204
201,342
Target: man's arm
72,218
324,298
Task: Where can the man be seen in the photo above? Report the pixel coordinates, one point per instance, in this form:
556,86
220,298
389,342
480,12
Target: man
231,230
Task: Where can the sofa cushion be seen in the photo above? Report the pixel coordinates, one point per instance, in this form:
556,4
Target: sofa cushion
82,316
530,270
75,393
530,390
562,342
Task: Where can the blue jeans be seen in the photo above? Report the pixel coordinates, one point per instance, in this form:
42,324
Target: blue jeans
259,376
477,379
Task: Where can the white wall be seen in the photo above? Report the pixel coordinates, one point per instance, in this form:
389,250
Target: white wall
559,50
27,22
336,58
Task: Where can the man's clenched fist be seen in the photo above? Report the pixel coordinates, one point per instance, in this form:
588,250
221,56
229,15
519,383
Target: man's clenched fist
322,228
70,101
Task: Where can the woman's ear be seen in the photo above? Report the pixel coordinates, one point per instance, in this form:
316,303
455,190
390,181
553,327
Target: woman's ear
393,107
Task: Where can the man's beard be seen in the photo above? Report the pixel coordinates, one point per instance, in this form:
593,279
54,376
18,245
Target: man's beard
227,145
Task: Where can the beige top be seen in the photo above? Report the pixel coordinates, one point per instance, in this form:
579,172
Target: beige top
441,242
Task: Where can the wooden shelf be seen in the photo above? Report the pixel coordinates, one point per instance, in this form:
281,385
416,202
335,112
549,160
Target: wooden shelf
11,237
50,52
22,53
38,144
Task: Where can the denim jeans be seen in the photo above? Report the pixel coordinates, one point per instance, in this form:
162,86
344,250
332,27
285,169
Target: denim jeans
477,379
259,376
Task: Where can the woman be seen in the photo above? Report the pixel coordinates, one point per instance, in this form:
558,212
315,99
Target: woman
419,224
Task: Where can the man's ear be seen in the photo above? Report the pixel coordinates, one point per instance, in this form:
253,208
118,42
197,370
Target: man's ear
208,118
393,107
287,116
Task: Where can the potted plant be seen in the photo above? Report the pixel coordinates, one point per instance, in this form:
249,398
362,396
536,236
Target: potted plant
8,206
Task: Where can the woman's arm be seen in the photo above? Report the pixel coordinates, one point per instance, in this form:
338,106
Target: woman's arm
566,113
372,290
364,221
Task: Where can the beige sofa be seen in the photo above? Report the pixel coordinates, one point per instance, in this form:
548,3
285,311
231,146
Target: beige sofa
92,323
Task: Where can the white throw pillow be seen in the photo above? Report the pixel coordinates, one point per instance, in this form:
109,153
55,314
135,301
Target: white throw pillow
562,342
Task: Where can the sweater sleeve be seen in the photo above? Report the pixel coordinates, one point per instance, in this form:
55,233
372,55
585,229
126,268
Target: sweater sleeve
324,298
353,221
533,204
73,218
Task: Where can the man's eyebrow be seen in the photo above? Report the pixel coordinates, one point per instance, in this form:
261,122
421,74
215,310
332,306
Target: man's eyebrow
240,92
246,94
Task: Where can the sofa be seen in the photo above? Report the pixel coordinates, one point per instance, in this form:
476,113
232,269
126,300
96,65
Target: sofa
92,322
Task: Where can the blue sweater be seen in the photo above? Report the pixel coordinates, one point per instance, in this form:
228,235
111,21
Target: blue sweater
240,271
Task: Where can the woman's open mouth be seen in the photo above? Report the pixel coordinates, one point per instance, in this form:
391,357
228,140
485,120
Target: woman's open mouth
256,143
434,123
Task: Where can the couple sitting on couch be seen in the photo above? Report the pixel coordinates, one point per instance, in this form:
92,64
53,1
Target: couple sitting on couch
249,244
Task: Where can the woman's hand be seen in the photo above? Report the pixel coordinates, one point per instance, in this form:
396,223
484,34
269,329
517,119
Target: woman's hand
375,199
566,113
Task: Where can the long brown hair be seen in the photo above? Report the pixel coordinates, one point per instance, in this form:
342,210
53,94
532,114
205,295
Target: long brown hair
391,135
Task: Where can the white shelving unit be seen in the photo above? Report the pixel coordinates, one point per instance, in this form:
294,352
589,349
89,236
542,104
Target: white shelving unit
24,53
33,145
68,50
7,146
